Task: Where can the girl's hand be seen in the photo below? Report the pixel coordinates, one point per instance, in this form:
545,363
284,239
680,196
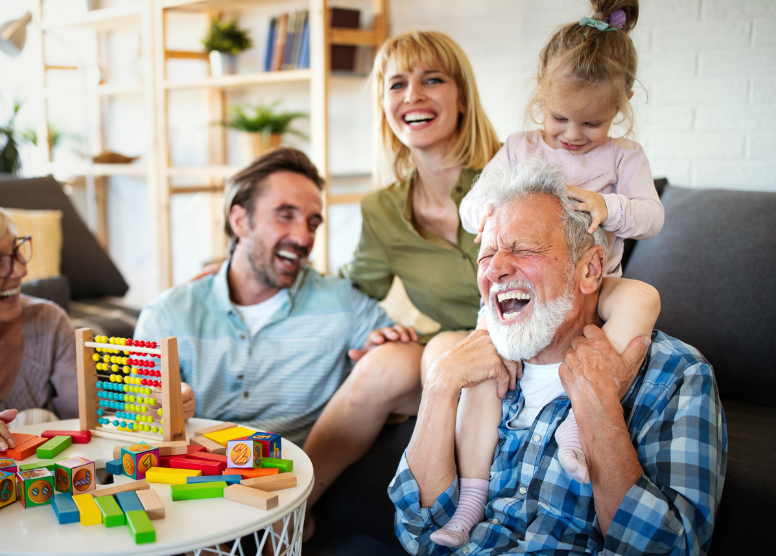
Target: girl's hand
487,214
590,202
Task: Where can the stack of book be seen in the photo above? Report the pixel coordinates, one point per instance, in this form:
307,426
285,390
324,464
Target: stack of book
288,42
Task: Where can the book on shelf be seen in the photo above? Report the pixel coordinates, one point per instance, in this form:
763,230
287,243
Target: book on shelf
288,42
281,30
343,57
270,44
304,45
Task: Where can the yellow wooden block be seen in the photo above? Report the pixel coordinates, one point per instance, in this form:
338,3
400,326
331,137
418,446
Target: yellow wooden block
168,476
224,436
88,508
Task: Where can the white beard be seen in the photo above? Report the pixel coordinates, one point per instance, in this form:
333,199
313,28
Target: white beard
528,336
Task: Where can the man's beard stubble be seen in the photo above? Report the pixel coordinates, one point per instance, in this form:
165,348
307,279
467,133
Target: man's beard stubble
527,337
262,261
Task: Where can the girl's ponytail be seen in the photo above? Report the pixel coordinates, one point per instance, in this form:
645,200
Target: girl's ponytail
603,10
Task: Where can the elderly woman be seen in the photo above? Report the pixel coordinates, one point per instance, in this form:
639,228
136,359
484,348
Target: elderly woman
432,131
37,342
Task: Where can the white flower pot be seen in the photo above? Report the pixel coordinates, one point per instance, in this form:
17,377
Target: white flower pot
222,63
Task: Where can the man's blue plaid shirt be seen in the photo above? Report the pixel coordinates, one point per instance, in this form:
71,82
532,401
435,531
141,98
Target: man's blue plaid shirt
677,425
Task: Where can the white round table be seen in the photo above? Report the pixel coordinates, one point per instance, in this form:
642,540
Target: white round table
188,525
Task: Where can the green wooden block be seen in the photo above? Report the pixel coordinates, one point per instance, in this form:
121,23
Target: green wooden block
141,527
284,465
54,446
198,491
50,465
112,516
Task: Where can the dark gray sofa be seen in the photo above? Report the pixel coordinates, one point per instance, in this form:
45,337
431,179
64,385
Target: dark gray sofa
714,265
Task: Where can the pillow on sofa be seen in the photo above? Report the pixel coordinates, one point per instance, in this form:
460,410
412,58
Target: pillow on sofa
88,268
713,264
45,227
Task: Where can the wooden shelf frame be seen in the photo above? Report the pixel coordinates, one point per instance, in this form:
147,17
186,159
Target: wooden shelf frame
103,19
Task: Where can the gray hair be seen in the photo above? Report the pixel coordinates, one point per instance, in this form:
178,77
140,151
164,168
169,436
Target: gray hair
537,176
6,224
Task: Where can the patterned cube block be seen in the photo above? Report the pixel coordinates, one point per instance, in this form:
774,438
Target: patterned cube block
34,487
138,459
7,465
243,453
75,475
270,443
7,488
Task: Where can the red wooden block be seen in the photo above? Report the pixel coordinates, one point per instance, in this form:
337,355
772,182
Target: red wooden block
26,449
207,467
252,473
193,449
164,461
79,437
208,457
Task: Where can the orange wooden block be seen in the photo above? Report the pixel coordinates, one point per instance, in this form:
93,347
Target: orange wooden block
251,473
18,438
26,449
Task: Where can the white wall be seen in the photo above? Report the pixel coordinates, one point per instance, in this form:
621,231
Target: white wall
706,103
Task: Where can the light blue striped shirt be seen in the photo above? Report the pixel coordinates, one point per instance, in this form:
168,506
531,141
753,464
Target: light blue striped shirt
280,379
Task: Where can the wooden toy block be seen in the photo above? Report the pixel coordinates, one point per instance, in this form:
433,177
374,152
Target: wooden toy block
285,465
252,473
224,436
251,497
209,457
75,475
193,449
8,465
243,453
126,487
214,428
7,489
170,476
207,467
270,442
271,483
54,447
50,465
228,479
197,491
87,507
128,501
112,516
151,504
78,437
65,509
138,459
18,438
177,448
210,446
140,526
25,449
34,487
114,466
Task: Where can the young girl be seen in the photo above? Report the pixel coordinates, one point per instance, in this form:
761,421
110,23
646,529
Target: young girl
586,76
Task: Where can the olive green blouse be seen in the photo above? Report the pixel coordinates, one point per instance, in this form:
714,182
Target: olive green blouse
440,278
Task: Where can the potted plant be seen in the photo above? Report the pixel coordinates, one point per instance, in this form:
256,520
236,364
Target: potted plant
10,161
224,41
263,129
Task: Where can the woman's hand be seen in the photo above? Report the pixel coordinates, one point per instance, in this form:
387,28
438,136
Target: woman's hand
590,202
395,333
209,269
485,215
6,438
189,401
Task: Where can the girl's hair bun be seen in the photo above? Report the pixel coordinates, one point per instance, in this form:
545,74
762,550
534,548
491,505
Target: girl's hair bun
604,8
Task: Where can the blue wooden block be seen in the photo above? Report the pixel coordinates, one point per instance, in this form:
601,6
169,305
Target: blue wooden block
65,508
129,501
114,467
228,479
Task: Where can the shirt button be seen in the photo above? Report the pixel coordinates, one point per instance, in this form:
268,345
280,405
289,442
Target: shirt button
537,438
242,336
246,394
494,521
522,490
459,189
239,377
465,550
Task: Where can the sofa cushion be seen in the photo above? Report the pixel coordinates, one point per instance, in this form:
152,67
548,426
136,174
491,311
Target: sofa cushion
713,264
88,268
53,289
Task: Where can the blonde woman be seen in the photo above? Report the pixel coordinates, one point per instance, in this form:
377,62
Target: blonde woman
433,132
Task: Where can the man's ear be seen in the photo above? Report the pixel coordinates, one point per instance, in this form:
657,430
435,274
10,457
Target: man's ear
593,265
239,221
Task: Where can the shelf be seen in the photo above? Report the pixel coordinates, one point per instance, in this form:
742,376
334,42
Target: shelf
206,5
104,19
105,90
199,171
82,168
242,80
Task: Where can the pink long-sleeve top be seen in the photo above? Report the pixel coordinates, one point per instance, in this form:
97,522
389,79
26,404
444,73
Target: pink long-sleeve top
618,170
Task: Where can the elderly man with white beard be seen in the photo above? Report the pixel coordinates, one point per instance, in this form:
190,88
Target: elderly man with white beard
650,420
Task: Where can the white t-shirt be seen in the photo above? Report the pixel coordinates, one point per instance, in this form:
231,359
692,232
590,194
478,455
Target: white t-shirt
257,316
540,385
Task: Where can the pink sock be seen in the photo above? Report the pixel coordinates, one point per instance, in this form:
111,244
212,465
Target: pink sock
570,453
470,511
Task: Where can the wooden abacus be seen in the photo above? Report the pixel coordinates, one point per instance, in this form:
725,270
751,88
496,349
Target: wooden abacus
106,388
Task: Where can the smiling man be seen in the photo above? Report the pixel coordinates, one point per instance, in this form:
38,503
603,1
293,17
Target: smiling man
265,341
650,421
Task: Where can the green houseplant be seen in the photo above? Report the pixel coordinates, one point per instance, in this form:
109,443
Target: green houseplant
224,40
265,127
10,161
